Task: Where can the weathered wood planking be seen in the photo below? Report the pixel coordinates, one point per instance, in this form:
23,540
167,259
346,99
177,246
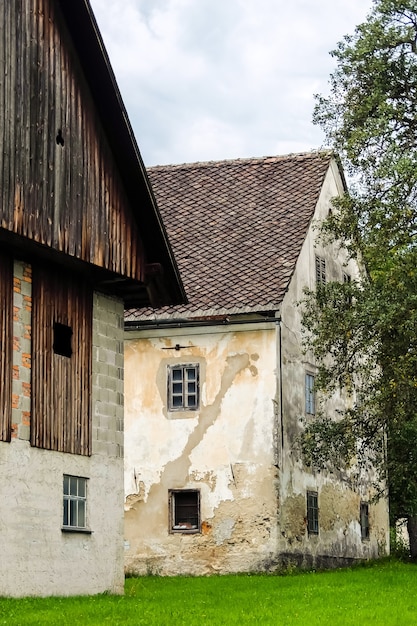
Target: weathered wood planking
6,346
61,386
68,197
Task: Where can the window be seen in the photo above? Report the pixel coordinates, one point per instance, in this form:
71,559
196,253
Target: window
62,339
184,506
347,279
320,271
312,513
310,395
364,520
183,387
75,503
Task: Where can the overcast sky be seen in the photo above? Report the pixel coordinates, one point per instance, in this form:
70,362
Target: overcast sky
218,79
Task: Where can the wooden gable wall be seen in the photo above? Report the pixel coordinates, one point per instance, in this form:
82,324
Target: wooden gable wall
60,186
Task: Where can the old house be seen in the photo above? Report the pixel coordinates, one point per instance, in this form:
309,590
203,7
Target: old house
217,390
80,236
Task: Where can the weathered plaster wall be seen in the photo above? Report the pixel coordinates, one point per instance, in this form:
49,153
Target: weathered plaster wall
338,494
225,449
37,557
240,448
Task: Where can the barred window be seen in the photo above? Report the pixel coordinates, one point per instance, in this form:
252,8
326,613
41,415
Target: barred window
320,270
312,513
183,387
310,400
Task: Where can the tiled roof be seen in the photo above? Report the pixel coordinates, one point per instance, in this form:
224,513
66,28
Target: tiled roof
236,228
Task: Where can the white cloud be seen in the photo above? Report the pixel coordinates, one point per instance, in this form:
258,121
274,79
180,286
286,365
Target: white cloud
214,79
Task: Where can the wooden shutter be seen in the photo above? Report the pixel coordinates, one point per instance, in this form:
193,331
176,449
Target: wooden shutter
61,383
6,346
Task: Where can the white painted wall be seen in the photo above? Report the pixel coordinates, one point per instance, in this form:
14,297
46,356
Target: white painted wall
38,558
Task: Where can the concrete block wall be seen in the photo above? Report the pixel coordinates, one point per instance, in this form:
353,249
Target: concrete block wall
108,359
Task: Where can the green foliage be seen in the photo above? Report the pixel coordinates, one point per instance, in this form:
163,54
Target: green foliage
381,593
364,333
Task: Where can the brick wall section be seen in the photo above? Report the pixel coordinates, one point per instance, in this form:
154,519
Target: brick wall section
107,368
22,311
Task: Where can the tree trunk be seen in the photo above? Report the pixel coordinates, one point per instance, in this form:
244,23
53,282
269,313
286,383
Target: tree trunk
412,536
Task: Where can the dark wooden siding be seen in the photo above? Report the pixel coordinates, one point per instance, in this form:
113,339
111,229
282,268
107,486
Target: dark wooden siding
6,346
68,197
61,385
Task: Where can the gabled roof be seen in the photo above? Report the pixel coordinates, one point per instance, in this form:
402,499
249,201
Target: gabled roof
236,228
95,63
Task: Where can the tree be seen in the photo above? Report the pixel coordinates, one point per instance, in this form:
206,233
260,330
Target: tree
364,333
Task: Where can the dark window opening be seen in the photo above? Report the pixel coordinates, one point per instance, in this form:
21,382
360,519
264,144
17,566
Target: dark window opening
364,520
184,511
312,513
62,339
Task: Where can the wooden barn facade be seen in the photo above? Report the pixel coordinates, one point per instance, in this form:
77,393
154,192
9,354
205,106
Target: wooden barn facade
80,238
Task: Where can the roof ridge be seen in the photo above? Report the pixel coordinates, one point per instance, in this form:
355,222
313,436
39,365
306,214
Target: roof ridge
316,153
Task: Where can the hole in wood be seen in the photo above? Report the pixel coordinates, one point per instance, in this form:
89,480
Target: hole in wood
62,339
59,138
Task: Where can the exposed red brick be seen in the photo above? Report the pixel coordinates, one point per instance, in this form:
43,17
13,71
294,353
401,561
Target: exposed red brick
27,300
16,344
16,372
26,389
26,418
26,359
15,401
17,286
27,273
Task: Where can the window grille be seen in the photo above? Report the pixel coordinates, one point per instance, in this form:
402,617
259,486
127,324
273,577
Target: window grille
312,513
320,270
310,400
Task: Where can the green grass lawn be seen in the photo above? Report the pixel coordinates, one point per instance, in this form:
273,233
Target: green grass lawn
384,593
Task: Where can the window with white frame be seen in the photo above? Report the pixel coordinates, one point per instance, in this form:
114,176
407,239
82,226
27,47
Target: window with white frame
184,510
312,513
310,399
320,270
183,387
75,503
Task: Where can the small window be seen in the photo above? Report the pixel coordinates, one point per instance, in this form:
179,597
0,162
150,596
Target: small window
320,271
75,503
184,508
364,520
312,513
62,339
347,279
310,399
183,387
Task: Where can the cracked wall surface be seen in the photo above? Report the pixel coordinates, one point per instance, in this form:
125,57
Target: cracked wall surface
240,448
